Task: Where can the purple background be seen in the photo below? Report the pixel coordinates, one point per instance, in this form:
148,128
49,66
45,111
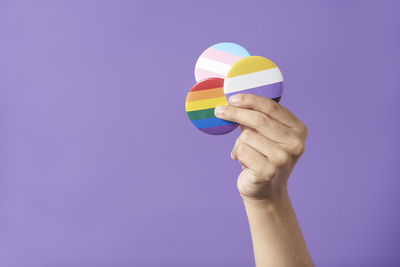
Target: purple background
100,166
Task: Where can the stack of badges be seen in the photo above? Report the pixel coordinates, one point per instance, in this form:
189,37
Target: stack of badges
223,70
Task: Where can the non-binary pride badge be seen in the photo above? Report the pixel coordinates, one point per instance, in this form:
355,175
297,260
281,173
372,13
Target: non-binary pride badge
254,75
217,60
201,102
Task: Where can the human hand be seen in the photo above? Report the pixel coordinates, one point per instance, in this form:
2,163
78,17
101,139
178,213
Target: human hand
271,142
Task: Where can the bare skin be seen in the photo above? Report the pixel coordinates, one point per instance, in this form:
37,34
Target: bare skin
271,142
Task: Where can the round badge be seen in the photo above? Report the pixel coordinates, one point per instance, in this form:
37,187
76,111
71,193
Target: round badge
201,102
216,60
254,75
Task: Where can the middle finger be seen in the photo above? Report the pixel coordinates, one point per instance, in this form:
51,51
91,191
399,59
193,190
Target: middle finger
262,123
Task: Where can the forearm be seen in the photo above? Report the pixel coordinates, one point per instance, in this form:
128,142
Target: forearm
276,235
271,142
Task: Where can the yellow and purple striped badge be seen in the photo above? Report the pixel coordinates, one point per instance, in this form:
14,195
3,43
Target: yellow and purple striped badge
201,102
254,75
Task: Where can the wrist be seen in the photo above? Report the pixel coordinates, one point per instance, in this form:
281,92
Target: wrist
279,200
277,196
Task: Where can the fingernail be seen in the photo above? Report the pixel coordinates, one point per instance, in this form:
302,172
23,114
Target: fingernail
231,155
235,99
219,110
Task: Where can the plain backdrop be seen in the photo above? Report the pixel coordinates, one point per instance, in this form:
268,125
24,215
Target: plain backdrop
100,166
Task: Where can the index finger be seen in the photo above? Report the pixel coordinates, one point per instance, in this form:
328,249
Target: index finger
267,106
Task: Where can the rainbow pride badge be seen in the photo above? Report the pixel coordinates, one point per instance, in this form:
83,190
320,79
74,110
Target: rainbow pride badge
201,102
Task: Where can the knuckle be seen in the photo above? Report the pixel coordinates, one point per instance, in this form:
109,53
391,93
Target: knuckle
272,106
302,129
245,98
281,158
241,149
270,171
246,136
260,119
298,148
230,113
253,100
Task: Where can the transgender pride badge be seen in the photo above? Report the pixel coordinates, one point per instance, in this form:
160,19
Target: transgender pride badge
223,70
217,60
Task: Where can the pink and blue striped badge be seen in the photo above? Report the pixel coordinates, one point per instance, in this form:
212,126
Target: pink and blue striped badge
217,60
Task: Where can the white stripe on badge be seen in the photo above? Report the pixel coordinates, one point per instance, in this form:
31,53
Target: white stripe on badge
252,80
212,65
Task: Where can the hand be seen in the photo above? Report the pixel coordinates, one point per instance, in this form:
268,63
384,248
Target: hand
271,142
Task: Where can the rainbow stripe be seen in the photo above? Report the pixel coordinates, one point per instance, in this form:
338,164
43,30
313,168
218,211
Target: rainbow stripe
201,102
216,60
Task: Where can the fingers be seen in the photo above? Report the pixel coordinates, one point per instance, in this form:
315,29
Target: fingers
264,124
266,106
272,138
274,152
260,167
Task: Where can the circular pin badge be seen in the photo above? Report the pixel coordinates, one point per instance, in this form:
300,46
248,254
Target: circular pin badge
201,102
254,75
216,60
